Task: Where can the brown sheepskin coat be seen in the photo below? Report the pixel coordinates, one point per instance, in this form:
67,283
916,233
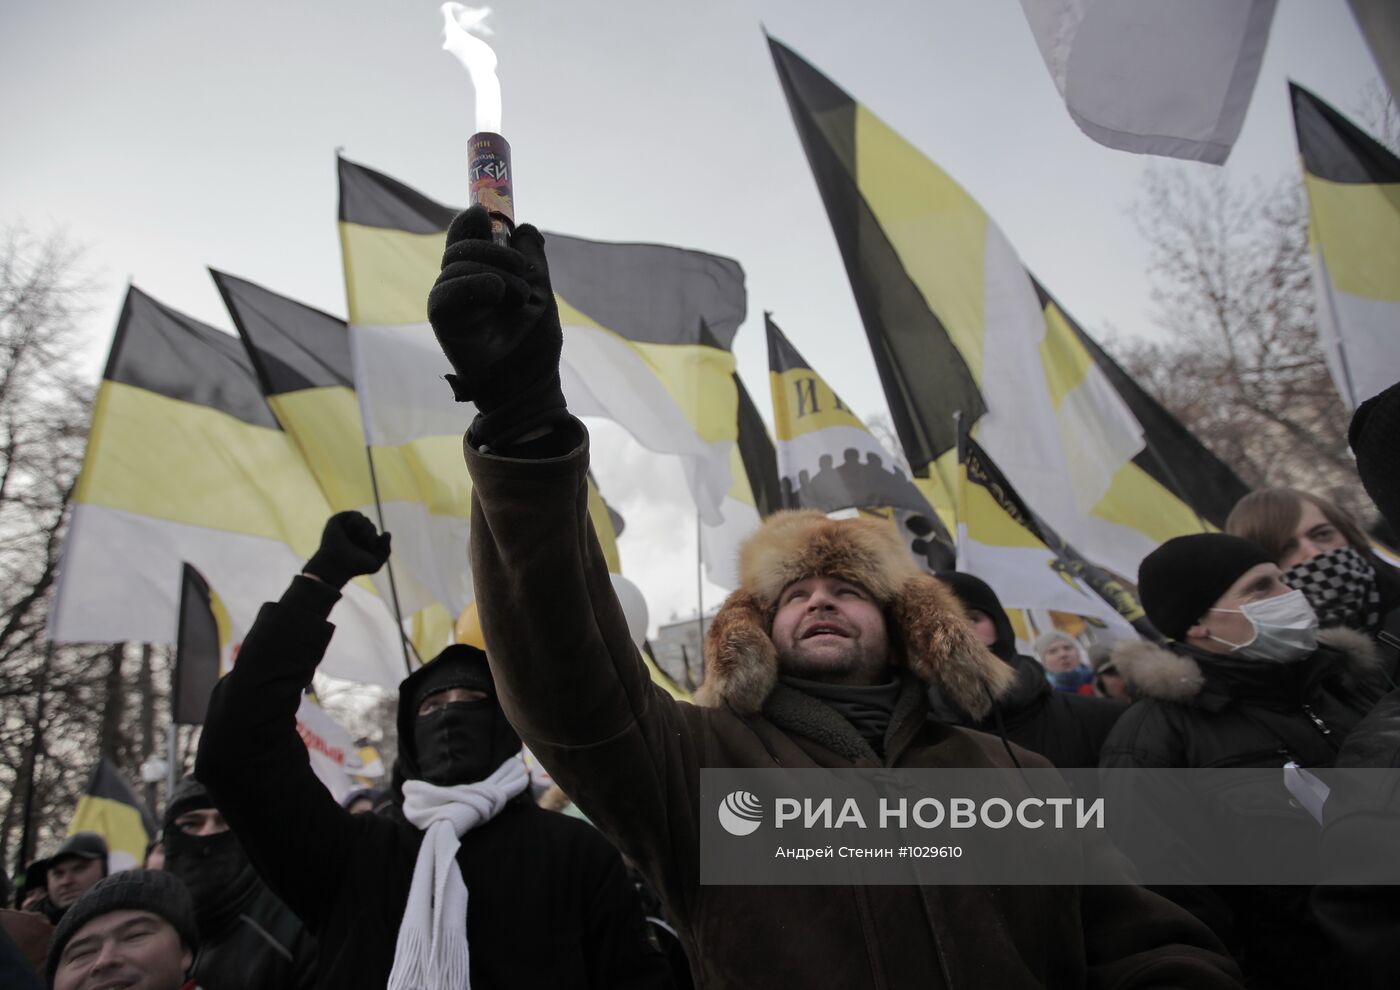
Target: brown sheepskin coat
575,688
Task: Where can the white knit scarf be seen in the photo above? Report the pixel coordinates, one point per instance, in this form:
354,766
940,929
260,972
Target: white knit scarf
432,953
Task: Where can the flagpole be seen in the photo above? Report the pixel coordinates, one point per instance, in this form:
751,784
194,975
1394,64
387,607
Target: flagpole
699,591
404,642
26,835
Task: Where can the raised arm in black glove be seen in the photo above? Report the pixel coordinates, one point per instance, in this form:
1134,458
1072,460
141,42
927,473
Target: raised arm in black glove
350,546
494,314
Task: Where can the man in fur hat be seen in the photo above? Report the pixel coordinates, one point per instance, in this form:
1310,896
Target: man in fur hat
823,658
466,882
1246,680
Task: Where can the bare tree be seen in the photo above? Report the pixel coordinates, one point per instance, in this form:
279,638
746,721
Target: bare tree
57,705
1240,363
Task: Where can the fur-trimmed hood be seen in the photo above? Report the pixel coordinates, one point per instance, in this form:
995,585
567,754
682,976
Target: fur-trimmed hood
928,628
1154,671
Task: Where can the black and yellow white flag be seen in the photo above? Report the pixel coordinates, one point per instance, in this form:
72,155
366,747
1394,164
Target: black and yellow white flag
185,463
647,337
302,359
109,806
1002,541
827,458
957,324
1353,184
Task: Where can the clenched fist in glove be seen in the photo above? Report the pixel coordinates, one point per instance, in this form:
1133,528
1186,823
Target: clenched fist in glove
350,546
494,315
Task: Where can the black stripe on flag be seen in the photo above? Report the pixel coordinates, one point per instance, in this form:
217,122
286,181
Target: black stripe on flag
164,351
292,345
373,199
647,293
1334,148
925,379
196,650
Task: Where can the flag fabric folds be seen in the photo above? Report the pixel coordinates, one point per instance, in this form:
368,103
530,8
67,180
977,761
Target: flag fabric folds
109,806
957,325
1002,541
303,363
1353,185
186,463
204,648
1155,78
647,337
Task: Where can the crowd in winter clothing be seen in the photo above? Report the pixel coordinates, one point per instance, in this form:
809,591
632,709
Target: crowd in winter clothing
837,651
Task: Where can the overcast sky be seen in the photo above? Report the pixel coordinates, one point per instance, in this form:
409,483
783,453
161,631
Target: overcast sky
167,136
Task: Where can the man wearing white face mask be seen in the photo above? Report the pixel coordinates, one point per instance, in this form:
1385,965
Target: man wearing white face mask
1246,680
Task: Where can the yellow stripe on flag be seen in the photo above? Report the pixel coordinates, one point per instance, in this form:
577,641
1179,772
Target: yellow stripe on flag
120,824
187,463
1358,225
937,228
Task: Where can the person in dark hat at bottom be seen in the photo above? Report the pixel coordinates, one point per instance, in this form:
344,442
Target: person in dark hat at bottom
465,882
69,873
1246,680
134,930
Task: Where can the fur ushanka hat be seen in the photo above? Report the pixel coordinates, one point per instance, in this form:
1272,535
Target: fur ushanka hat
928,629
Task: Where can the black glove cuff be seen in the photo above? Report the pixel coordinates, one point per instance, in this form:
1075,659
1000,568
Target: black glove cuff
307,595
323,566
541,405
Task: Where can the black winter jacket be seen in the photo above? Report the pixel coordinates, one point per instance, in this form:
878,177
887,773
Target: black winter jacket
261,946
1067,729
1228,712
549,903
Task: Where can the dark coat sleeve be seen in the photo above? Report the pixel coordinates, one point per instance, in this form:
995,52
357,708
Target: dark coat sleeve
257,768
574,685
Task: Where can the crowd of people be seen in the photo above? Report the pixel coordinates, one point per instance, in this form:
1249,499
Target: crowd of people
1280,644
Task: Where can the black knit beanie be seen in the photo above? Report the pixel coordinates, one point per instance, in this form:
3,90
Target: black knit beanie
156,891
973,592
1183,578
1375,440
189,795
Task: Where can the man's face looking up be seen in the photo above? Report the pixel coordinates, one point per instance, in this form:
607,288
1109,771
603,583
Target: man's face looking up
832,630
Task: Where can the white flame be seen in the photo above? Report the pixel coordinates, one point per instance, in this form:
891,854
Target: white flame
476,56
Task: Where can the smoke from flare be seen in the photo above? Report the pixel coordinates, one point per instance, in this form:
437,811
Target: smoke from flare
461,25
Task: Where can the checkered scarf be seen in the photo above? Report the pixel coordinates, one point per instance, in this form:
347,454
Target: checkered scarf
1341,587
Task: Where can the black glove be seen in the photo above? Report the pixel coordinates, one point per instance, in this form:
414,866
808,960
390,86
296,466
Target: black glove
494,315
350,546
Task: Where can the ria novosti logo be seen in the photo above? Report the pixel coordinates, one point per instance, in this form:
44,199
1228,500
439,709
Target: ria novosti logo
741,813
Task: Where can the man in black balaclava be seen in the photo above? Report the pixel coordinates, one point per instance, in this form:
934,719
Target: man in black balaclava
529,897
1066,729
249,939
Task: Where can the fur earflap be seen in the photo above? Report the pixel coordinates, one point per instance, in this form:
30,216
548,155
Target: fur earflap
926,620
940,647
1153,671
